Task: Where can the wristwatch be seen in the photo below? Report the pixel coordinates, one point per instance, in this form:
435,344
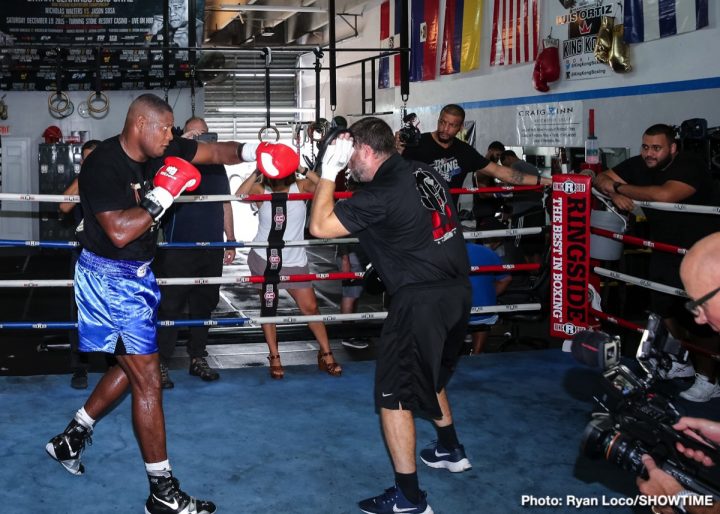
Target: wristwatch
681,506
616,186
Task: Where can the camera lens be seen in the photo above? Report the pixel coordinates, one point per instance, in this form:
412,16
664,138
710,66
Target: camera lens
601,440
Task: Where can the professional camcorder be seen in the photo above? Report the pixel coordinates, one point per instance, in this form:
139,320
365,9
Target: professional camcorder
409,134
634,418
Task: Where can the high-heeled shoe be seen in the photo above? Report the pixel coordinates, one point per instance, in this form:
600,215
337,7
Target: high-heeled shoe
276,371
331,368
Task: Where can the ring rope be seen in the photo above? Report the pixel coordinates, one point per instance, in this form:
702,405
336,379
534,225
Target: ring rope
483,234
278,320
256,279
664,206
31,197
39,244
680,207
636,241
648,284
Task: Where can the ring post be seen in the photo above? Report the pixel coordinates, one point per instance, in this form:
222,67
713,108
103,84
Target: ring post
570,254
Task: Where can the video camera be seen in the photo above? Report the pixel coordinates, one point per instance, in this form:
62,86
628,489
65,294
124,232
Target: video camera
635,419
409,134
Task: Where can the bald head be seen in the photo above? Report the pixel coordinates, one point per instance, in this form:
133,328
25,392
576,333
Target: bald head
145,105
148,128
700,269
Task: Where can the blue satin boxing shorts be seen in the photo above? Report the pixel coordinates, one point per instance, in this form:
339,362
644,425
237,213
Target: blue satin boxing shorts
116,299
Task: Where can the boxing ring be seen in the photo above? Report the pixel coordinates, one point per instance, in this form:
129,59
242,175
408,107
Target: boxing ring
572,266
327,318
520,416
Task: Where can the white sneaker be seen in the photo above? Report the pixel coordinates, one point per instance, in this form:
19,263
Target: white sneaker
702,390
678,370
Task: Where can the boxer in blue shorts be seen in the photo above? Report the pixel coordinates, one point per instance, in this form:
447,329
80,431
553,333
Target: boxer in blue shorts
408,226
126,185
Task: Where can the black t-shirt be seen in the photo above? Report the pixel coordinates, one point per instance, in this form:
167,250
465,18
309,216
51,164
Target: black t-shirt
111,181
677,228
199,221
407,225
452,163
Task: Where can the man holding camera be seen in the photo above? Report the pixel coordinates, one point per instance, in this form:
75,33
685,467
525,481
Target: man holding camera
194,222
700,273
453,159
661,173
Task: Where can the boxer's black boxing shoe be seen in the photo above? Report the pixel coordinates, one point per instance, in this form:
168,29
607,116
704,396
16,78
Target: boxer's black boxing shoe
167,498
67,447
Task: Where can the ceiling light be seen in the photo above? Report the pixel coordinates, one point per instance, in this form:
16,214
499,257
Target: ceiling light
266,8
262,110
262,75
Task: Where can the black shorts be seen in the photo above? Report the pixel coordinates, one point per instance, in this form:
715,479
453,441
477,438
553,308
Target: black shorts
420,345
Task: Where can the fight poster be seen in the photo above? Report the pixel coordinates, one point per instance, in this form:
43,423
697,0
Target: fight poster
94,44
580,25
570,254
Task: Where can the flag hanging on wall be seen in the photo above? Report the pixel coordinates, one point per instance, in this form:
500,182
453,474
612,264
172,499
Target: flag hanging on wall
515,32
424,23
646,20
389,20
460,50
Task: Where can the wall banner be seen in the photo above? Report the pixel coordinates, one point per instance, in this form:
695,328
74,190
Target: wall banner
577,49
550,124
38,35
570,254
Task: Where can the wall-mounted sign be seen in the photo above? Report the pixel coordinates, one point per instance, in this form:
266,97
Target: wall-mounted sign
577,51
550,124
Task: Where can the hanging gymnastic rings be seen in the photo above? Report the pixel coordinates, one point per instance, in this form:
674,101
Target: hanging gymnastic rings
98,104
60,106
269,128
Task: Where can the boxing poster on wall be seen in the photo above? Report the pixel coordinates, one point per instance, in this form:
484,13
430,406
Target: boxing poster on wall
577,50
550,124
84,37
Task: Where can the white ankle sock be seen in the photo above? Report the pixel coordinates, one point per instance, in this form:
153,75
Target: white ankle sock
158,469
82,417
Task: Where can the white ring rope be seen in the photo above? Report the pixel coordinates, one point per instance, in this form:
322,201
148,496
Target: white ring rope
648,284
278,320
363,316
664,206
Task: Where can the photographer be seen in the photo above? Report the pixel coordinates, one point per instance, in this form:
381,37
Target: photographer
660,483
700,274
453,159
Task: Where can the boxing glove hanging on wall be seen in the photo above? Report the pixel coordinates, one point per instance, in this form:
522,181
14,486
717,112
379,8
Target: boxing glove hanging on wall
603,46
547,65
619,54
